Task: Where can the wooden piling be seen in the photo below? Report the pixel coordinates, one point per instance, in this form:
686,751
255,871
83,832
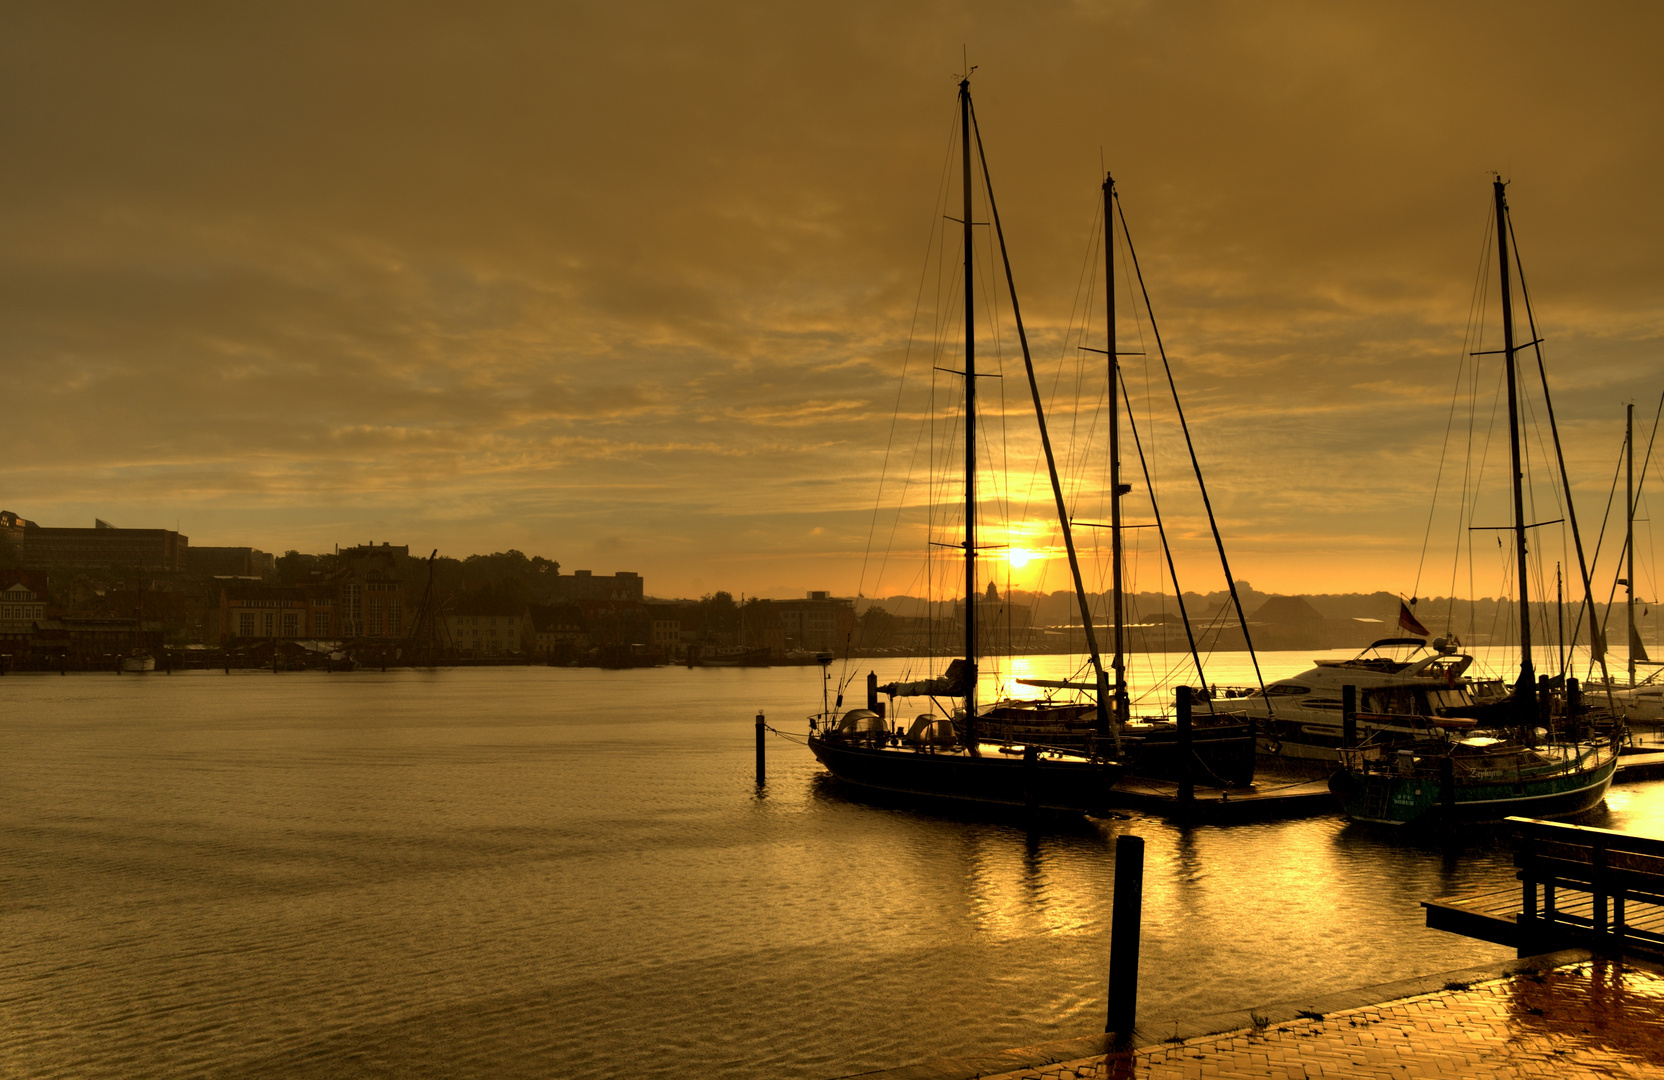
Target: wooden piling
1349,716
762,772
1126,915
1187,782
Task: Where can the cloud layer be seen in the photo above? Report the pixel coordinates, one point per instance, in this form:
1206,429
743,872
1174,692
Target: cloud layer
635,283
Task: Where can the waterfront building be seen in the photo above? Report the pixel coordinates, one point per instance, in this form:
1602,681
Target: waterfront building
666,621
251,611
820,622
369,595
557,631
23,599
482,628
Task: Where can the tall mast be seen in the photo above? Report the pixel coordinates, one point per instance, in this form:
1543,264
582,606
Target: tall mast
1102,725
1525,691
970,416
1119,662
1629,534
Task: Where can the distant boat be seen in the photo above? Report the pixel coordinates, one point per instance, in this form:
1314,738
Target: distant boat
729,656
138,661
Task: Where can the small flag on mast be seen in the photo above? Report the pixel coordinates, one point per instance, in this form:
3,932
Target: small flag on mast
1408,621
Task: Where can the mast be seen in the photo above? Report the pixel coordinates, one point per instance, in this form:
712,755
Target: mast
1119,662
970,418
1102,724
1525,691
1629,534
1560,617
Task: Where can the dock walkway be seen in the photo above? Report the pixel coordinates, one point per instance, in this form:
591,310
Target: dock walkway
1564,1015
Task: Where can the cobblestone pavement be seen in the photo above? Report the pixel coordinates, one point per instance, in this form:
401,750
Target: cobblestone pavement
1594,1019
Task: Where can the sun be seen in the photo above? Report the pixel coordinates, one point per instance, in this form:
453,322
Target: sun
1020,557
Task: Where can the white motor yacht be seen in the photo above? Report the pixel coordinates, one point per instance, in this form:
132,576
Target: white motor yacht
1406,689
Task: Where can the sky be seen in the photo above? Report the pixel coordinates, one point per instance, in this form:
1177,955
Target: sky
630,286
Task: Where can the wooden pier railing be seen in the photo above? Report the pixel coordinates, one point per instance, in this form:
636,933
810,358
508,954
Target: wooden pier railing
1578,885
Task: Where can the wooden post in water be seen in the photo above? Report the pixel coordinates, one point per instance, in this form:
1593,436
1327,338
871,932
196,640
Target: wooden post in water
762,772
1349,716
1187,783
1126,916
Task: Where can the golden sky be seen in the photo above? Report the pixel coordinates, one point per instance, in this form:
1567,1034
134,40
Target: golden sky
627,285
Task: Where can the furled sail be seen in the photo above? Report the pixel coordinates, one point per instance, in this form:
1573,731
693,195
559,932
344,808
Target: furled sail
955,682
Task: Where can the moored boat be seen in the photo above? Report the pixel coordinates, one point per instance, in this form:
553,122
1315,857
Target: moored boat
1538,753
932,763
1438,782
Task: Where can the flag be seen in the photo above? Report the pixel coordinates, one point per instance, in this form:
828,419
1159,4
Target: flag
1408,621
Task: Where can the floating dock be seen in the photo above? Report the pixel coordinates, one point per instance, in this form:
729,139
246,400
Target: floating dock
1265,801
1639,765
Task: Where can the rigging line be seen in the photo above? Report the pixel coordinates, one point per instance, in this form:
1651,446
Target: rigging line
1172,568
1554,428
1473,335
1606,616
912,331
1597,634
1045,440
1213,523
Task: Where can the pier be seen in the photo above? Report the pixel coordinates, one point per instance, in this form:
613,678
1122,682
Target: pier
1578,886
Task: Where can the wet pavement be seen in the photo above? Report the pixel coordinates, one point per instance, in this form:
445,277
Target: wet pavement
1590,1017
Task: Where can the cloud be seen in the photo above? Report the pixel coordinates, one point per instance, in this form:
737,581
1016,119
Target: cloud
568,275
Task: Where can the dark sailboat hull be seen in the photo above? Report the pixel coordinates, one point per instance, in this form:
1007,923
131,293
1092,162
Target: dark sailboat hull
1383,798
1049,784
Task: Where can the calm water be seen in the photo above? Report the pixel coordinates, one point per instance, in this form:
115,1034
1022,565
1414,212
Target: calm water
569,873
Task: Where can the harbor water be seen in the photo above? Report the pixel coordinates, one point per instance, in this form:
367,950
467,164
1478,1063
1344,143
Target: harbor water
538,872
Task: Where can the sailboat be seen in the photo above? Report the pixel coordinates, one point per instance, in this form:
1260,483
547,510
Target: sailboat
933,761
1519,769
1640,703
1221,745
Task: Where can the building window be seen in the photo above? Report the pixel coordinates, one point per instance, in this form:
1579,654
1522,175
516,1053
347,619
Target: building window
269,620
291,624
395,616
245,624
320,623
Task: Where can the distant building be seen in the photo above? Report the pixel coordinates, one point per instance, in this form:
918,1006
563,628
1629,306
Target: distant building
481,628
369,595
584,585
12,529
242,562
275,611
103,546
557,631
1286,622
23,598
817,623
666,637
